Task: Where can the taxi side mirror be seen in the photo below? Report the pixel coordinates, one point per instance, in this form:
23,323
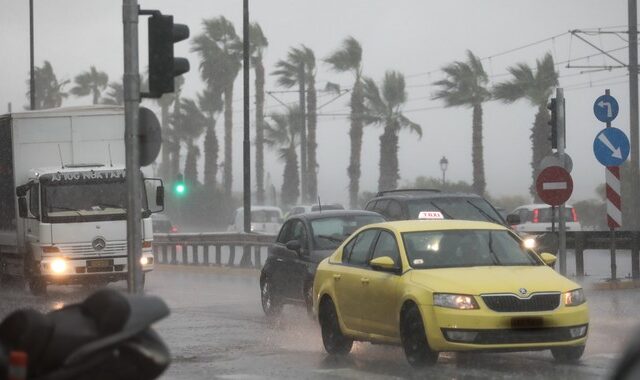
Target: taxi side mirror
548,258
384,263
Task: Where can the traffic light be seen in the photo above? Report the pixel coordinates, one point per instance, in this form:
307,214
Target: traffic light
179,187
553,123
163,67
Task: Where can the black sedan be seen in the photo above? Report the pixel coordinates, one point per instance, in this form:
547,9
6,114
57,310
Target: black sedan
303,241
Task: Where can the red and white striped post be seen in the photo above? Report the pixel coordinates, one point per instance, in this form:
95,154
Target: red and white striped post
614,210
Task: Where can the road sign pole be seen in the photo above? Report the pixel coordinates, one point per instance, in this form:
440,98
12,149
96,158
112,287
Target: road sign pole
131,84
562,237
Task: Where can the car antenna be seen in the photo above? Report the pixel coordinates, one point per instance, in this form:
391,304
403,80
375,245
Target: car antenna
319,204
60,154
110,158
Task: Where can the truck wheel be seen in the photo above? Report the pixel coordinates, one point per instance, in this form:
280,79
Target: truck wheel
38,286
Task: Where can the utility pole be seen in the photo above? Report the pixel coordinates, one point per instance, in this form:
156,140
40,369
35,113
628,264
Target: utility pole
246,143
633,113
303,136
562,235
131,83
32,79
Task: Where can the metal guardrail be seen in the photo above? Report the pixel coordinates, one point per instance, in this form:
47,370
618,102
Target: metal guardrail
212,249
221,248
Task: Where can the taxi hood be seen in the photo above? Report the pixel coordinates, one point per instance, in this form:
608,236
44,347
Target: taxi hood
492,279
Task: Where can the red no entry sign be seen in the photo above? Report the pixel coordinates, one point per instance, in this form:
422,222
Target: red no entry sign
554,185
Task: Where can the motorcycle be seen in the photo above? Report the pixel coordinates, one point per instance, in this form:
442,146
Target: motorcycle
107,336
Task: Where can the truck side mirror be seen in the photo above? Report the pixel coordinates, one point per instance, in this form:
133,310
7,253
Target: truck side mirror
22,207
160,196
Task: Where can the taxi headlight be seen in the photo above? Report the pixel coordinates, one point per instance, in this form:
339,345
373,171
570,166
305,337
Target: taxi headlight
58,266
455,301
529,243
574,297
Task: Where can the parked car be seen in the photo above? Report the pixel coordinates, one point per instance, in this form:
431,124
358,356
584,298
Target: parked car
264,219
407,204
447,285
303,241
301,209
536,218
162,224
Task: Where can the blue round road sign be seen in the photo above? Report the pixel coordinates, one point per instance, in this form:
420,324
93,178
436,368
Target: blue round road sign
605,108
611,147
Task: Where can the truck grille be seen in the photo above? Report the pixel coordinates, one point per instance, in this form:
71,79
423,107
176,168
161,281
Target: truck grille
87,249
513,303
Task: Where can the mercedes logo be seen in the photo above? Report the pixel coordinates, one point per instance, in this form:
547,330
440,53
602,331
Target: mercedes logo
98,244
522,291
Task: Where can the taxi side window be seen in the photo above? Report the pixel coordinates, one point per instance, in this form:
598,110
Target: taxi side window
387,246
361,248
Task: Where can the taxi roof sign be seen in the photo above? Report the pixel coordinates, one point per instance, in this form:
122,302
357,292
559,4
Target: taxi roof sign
430,215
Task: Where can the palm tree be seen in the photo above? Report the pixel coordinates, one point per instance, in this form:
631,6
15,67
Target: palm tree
349,59
49,92
211,104
115,95
191,123
258,42
536,87
220,50
386,109
465,85
299,68
170,137
283,134
91,82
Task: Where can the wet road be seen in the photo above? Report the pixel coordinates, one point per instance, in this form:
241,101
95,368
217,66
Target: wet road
217,331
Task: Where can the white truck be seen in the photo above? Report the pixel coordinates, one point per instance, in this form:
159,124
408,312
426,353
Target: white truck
63,198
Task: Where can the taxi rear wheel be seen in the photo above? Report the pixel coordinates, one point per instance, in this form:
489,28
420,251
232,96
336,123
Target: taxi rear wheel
414,339
567,354
335,342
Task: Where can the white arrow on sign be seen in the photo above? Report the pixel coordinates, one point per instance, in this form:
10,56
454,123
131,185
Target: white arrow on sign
603,104
554,186
616,151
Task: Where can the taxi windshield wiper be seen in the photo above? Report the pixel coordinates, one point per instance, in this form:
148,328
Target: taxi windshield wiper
65,208
493,253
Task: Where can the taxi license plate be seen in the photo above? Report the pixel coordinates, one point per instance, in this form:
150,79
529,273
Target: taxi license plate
99,263
526,322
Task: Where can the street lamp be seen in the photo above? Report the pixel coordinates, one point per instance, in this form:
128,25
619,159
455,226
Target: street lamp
444,164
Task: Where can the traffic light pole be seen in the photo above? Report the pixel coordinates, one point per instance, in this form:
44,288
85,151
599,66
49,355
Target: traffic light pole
131,84
246,143
562,235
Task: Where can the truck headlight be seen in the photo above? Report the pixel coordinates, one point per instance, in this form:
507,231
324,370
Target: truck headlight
144,260
574,297
455,301
58,266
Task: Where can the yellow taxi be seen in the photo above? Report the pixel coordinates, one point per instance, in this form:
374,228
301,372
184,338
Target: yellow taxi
447,285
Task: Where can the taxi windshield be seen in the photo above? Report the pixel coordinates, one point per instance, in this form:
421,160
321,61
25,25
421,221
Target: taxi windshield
465,248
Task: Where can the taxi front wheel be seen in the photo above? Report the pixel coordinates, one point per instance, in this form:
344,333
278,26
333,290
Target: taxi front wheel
414,340
335,342
567,354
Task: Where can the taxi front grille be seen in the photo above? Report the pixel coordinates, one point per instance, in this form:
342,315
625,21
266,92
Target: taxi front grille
513,303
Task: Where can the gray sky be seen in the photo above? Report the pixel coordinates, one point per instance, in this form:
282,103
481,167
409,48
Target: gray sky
415,37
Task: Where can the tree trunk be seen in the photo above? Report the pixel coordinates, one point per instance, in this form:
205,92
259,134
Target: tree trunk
259,70
355,134
191,165
541,146
96,97
312,162
290,180
388,159
303,135
210,157
477,157
228,137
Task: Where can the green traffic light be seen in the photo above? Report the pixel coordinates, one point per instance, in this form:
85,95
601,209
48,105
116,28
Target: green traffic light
180,189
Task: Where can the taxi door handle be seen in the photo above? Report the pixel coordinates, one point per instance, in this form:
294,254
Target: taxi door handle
364,280
337,276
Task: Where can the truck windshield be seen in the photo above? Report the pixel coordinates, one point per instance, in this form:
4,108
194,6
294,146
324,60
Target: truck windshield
86,201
